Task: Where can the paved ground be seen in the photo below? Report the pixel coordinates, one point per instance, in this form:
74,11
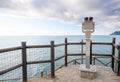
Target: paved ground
71,74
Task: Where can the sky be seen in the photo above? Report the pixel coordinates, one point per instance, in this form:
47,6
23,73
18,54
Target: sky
57,17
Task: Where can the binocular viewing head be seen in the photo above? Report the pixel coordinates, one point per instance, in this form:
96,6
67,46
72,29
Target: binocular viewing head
88,18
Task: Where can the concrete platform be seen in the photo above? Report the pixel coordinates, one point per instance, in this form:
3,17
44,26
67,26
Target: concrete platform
90,73
71,74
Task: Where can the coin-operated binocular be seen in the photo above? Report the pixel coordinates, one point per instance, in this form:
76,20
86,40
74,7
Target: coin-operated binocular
88,71
88,26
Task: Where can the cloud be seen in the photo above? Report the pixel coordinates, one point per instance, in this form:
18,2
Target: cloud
106,13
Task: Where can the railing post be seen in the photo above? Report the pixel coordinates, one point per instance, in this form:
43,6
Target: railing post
118,70
52,60
65,51
90,52
24,62
113,53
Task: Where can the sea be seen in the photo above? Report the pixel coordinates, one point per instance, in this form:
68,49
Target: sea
9,59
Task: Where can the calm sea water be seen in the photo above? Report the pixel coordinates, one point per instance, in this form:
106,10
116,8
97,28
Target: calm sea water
42,54
12,41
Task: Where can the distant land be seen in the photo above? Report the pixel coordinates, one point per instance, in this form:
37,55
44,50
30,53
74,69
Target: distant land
116,33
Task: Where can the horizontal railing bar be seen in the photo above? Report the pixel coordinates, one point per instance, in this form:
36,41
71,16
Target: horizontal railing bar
75,54
76,43
38,46
10,69
101,43
43,46
57,45
101,56
35,62
108,55
10,49
95,43
60,57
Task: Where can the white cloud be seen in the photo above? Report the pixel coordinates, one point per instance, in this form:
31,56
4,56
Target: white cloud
106,13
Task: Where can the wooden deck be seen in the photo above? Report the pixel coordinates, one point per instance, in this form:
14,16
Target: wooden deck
71,74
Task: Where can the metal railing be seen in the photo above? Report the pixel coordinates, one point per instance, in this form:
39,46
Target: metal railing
23,55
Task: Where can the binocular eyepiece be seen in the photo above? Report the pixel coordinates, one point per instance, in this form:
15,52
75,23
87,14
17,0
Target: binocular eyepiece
88,18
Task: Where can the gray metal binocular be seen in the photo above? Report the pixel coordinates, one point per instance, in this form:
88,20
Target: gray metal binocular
88,25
